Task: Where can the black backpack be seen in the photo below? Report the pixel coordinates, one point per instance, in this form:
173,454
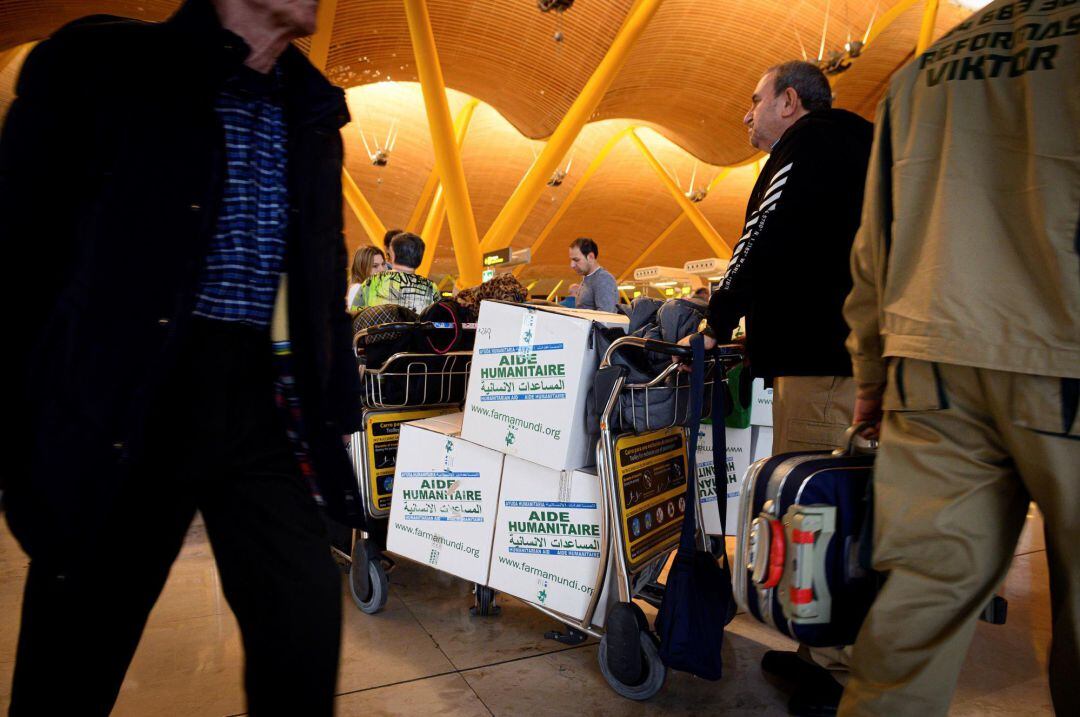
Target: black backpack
664,405
449,333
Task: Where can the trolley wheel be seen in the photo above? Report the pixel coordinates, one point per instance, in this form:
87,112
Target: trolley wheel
634,676
654,670
484,602
368,582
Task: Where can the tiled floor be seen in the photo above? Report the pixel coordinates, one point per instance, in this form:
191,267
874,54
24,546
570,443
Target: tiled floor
426,655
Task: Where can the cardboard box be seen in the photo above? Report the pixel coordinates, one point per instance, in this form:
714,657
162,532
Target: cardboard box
738,460
532,368
547,537
761,404
762,443
445,499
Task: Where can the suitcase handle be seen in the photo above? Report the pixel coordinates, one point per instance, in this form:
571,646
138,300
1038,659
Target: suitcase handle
850,443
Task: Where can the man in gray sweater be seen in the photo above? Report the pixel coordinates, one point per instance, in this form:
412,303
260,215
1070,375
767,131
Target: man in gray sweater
598,287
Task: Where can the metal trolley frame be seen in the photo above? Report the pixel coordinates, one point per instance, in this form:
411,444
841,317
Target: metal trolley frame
632,577
408,386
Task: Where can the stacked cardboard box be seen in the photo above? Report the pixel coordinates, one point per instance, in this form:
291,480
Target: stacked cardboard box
501,494
761,422
445,494
547,537
738,460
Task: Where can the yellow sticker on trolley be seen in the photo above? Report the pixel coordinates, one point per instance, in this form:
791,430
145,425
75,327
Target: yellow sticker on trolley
651,472
381,433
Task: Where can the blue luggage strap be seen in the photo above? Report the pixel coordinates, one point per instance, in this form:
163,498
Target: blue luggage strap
719,437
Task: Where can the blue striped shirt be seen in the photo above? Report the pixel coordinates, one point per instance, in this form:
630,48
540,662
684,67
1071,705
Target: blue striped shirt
240,278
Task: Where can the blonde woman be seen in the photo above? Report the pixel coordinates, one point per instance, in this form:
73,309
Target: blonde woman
367,261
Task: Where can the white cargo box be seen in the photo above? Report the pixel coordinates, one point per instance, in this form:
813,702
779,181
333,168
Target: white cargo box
738,460
532,368
761,404
762,444
547,540
445,497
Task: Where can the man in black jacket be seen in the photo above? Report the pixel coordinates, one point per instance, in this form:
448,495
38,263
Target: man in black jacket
789,275
204,157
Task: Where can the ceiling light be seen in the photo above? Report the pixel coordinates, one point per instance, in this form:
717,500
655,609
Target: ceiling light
554,5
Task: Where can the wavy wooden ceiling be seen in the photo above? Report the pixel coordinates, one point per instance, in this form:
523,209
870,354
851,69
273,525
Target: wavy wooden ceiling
688,78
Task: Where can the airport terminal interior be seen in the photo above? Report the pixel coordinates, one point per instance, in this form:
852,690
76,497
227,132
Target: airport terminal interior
620,120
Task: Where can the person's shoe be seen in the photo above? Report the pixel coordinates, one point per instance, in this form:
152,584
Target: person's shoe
818,701
814,692
788,672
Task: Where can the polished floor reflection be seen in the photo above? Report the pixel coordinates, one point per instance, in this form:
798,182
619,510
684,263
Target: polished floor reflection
426,655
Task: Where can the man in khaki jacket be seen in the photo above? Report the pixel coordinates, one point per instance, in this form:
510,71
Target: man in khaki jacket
965,318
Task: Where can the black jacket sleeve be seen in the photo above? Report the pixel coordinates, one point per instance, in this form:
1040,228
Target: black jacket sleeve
38,160
40,169
344,383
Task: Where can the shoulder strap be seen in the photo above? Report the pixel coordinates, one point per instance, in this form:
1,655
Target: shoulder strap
697,390
719,443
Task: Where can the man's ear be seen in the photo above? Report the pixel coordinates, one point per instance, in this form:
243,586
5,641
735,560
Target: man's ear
791,103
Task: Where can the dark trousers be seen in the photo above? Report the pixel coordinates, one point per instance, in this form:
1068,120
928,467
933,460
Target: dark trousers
217,444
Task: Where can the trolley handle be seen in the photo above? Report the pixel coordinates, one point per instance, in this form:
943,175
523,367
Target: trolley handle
396,327
391,328
724,352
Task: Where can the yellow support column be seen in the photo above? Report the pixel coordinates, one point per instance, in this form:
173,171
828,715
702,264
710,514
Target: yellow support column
447,156
432,182
716,243
320,41
580,185
363,210
414,224
528,191
653,246
926,31
550,297
434,223
432,230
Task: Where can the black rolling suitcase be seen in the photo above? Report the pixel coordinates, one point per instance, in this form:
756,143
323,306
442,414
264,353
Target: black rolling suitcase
804,548
803,545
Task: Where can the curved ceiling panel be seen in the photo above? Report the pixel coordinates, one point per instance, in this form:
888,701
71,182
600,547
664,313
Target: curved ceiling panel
688,78
689,75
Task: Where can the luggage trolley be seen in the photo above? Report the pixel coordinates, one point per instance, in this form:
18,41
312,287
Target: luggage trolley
643,476
407,386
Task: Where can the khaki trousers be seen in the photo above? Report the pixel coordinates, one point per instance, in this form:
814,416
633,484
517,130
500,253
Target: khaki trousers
811,413
963,451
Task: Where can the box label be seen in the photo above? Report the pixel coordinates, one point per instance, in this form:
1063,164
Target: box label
522,375
444,497
553,528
